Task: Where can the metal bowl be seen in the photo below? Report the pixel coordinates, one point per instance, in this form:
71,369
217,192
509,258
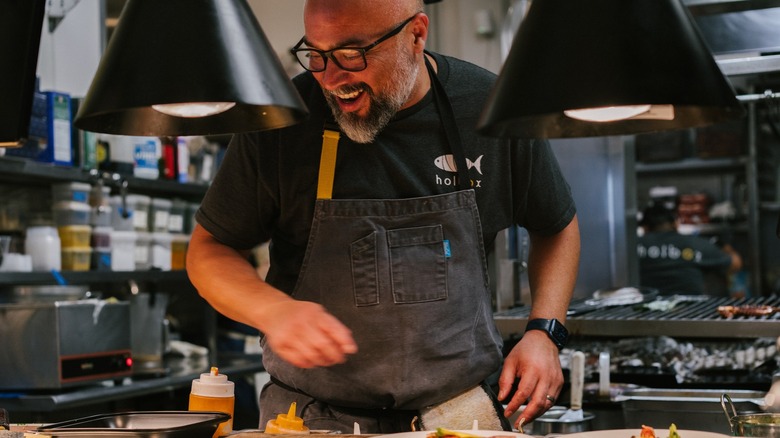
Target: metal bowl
550,422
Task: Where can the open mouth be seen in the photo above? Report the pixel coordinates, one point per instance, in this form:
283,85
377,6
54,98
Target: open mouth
349,99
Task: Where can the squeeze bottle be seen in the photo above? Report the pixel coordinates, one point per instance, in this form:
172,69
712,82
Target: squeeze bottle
287,424
214,392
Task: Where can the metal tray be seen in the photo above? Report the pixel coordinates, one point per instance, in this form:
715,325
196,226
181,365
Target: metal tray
153,424
697,409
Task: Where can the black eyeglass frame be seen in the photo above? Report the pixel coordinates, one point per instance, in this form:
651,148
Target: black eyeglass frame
328,54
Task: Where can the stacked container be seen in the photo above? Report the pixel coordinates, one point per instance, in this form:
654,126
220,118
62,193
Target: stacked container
72,213
100,220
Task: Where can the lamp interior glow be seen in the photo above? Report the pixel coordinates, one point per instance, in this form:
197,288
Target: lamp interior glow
194,109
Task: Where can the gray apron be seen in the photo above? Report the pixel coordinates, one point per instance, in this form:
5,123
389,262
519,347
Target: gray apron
409,278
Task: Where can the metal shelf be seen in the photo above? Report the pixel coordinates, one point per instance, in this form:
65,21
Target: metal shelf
15,169
88,277
737,163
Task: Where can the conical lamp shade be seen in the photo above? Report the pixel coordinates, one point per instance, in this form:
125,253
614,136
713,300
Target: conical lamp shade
180,51
600,53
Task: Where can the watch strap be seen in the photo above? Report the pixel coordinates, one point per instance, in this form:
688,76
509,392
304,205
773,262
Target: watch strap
555,330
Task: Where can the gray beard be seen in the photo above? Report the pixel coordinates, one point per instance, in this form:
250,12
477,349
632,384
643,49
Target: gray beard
382,107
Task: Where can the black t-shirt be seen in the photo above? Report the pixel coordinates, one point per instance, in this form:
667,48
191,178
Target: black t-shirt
266,186
675,263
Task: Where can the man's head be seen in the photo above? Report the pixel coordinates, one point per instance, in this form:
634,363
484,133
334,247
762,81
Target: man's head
364,101
657,217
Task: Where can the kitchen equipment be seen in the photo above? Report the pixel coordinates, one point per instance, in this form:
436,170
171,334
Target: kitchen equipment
153,424
765,425
52,345
574,413
49,293
574,419
550,422
692,319
148,330
687,408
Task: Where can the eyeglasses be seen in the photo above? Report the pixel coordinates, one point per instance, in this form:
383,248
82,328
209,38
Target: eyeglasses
347,58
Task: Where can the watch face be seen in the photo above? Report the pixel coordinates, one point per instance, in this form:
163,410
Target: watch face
559,332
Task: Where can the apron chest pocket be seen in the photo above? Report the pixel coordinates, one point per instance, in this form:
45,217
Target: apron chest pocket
417,265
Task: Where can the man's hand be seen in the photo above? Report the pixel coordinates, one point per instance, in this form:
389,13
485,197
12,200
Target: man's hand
534,360
304,334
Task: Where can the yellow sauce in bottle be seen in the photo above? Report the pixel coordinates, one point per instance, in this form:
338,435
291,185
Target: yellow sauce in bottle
287,424
215,393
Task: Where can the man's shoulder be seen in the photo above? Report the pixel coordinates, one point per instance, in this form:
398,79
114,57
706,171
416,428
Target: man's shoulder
458,70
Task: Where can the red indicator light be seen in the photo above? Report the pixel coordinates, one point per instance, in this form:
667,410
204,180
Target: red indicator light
129,362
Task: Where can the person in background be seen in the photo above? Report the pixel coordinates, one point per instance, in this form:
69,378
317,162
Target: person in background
675,263
376,309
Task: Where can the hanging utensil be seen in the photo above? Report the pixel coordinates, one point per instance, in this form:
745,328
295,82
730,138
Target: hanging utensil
574,413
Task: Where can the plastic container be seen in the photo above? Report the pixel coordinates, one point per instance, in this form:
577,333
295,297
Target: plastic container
100,260
139,205
101,237
100,216
159,211
99,195
71,213
287,424
176,217
99,200
76,259
160,251
122,217
179,245
123,250
73,191
189,217
43,246
75,236
143,251
213,392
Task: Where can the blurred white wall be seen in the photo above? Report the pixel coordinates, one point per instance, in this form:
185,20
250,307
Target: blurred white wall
70,53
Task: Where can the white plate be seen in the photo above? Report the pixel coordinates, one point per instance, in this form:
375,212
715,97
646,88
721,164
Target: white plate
424,434
628,433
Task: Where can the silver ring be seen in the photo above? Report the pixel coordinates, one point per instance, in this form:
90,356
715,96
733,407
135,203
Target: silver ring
550,398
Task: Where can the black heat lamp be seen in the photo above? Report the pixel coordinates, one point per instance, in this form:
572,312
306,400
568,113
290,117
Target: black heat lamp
189,67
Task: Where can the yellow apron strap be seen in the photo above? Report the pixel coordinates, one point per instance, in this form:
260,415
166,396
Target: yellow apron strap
330,145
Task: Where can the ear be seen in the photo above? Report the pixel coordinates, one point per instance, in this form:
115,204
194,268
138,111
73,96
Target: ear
420,31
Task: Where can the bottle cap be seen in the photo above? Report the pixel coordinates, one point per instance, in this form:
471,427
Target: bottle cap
289,420
213,384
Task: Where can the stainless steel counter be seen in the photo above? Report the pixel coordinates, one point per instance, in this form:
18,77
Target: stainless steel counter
180,373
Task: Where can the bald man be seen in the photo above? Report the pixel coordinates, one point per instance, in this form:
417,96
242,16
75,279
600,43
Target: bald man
380,209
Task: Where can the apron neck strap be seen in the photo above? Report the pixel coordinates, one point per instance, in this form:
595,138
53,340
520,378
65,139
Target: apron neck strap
450,126
331,136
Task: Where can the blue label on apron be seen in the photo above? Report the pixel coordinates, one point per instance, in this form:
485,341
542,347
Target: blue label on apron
447,252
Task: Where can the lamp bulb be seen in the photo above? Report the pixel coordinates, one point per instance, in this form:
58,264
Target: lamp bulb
194,109
607,113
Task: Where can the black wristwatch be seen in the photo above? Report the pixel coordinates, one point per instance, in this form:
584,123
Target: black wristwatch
554,329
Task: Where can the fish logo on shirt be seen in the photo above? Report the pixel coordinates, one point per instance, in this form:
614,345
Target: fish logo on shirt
447,163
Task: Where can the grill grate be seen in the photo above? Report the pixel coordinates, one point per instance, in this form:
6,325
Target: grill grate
699,318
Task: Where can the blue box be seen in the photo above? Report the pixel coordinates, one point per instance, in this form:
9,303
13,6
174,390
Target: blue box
51,126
